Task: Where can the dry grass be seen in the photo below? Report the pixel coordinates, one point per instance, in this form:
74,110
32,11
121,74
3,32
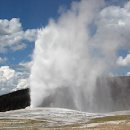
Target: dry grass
100,127
110,118
102,124
21,124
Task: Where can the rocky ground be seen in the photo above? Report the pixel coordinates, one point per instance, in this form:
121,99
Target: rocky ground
63,119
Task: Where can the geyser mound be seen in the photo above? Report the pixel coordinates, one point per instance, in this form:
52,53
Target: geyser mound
71,54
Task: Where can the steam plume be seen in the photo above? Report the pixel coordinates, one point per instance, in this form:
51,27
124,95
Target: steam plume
73,51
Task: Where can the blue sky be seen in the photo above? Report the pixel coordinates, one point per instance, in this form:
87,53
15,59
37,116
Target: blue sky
20,20
34,14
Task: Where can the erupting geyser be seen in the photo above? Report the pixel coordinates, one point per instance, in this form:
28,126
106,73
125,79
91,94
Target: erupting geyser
71,53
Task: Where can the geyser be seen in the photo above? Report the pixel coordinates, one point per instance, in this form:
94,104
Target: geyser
73,52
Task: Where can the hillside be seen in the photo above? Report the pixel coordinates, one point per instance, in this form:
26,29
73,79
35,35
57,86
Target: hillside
119,92
15,100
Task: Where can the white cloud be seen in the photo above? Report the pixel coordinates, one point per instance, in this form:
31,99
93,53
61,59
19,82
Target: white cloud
10,26
6,73
128,73
12,36
22,84
3,60
11,80
26,65
113,29
30,34
124,61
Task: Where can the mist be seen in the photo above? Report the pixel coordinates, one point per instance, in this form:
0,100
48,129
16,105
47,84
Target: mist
76,50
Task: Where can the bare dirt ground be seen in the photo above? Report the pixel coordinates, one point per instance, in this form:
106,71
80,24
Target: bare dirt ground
63,119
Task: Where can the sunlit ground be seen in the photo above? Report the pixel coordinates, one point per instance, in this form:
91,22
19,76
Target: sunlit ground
63,119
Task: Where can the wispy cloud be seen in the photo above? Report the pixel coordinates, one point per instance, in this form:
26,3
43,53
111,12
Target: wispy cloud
3,60
124,61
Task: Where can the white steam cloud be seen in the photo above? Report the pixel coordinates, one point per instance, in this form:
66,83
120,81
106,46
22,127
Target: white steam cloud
72,52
